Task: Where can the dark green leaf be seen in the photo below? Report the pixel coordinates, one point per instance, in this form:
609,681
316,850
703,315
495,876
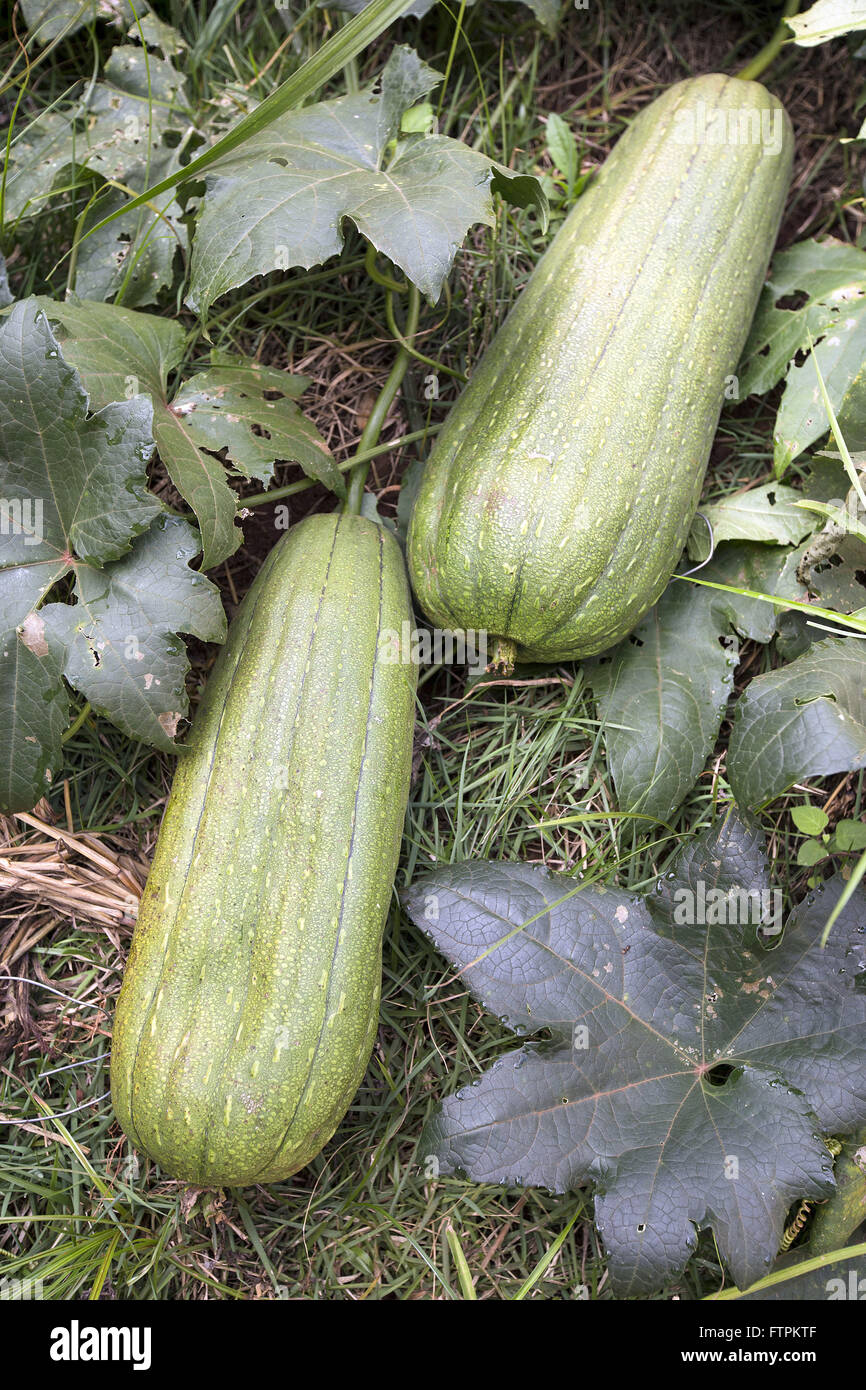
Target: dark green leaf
806,720
689,1073
120,639
282,199
74,502
117,351
719,877
82,476
134,256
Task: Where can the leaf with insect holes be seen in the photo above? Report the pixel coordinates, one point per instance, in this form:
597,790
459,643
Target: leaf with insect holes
690,1070
134,256
120,638
155,33
116,350
806,720
118,130
663,692
75,503
250,411
832,564
830,279
545,11
281,200
827,19
48,19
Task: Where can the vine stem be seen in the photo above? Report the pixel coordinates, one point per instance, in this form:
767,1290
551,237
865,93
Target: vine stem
378,277
276,494
419,356
373,428
764,58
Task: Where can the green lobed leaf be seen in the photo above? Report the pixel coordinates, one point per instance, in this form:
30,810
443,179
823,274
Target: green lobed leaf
833,563
836,579
344,44
120,643
282,199
642,1010
84,474
806,720
133,257
117,350
663,692
249,411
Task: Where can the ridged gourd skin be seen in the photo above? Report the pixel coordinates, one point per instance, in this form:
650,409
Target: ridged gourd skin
557,499
250,1000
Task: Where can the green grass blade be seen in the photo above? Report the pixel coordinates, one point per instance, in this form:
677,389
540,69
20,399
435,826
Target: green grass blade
546,1259
781,1276
461,1264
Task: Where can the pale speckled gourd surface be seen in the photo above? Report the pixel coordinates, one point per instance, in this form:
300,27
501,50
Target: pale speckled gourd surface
251,995
557,499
